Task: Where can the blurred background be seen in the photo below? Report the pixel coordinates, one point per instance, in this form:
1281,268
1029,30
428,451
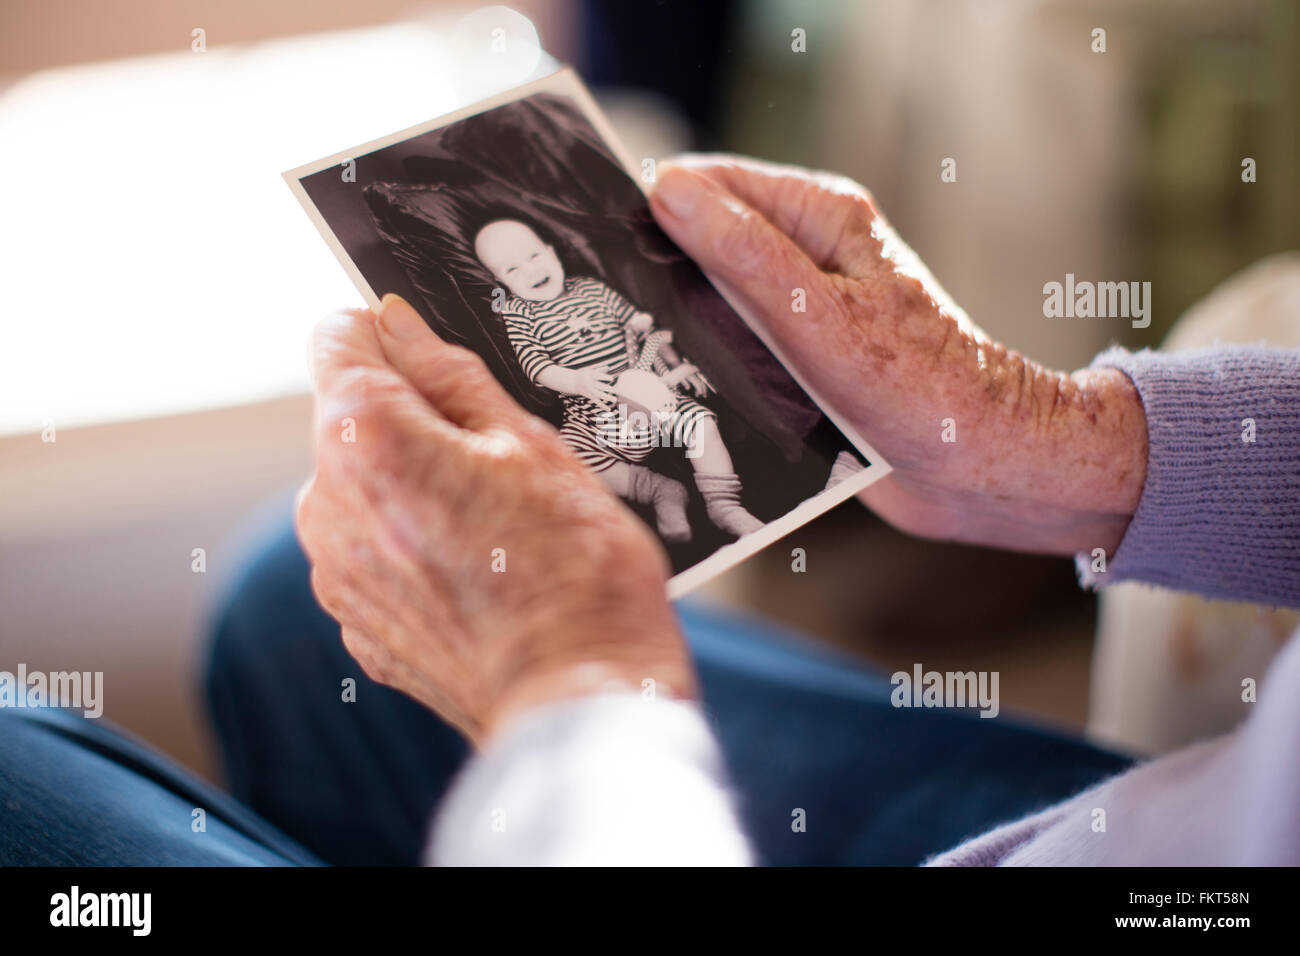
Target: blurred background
160,282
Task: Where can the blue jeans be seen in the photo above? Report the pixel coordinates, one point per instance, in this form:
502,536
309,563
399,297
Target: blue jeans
317,779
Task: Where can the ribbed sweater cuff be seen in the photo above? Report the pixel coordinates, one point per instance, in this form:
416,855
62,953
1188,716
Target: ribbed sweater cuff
1219,513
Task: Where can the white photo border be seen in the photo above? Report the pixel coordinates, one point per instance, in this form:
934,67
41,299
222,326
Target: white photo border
565,82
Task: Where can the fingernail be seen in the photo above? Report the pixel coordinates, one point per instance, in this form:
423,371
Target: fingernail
680,191
398,319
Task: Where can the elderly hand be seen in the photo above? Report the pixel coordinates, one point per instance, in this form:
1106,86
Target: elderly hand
471,560
1041,461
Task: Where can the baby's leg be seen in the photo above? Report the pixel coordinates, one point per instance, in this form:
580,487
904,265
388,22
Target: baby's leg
706,451
715,474
667,497
589,439
618,476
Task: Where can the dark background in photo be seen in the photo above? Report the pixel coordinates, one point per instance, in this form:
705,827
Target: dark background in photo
408,223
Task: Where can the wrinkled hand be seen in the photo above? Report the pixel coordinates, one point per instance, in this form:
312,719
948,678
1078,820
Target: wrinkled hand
471,560
1042,461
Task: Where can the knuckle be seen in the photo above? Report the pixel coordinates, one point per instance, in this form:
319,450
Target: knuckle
850,190
862,213
471,362
465,368
356,644
448,369
362,387
374,461
444,358
537,433
326,592
364,652
332,328
357,421
305,511
740,242
339,320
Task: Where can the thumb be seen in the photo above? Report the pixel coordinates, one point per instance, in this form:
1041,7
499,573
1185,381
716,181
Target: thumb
454,380
733,242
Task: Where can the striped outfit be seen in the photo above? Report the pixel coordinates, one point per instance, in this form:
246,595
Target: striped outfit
584,326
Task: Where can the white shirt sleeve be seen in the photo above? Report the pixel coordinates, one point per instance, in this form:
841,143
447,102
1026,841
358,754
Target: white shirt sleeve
605,780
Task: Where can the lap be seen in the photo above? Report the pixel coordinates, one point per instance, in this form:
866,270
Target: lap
806,728
802,729
78,792
353,772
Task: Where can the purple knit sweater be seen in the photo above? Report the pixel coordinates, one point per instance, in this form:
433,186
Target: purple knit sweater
1220,516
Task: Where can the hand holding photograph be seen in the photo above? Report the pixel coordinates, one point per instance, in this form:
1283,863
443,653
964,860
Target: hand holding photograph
516,228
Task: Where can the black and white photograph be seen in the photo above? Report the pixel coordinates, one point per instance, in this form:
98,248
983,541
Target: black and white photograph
517,230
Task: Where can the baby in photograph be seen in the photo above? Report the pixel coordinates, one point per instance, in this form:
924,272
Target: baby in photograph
620,380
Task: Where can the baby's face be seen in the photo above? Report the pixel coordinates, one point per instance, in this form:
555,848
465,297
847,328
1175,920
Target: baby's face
519,260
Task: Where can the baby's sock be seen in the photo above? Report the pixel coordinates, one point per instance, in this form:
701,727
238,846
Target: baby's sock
668,498
722,502
846,466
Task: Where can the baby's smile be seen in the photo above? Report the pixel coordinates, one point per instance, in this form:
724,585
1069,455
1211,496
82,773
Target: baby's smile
519,259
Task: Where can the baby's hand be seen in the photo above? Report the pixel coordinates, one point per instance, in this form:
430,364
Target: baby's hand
700,385
593,383
641,322
688,375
